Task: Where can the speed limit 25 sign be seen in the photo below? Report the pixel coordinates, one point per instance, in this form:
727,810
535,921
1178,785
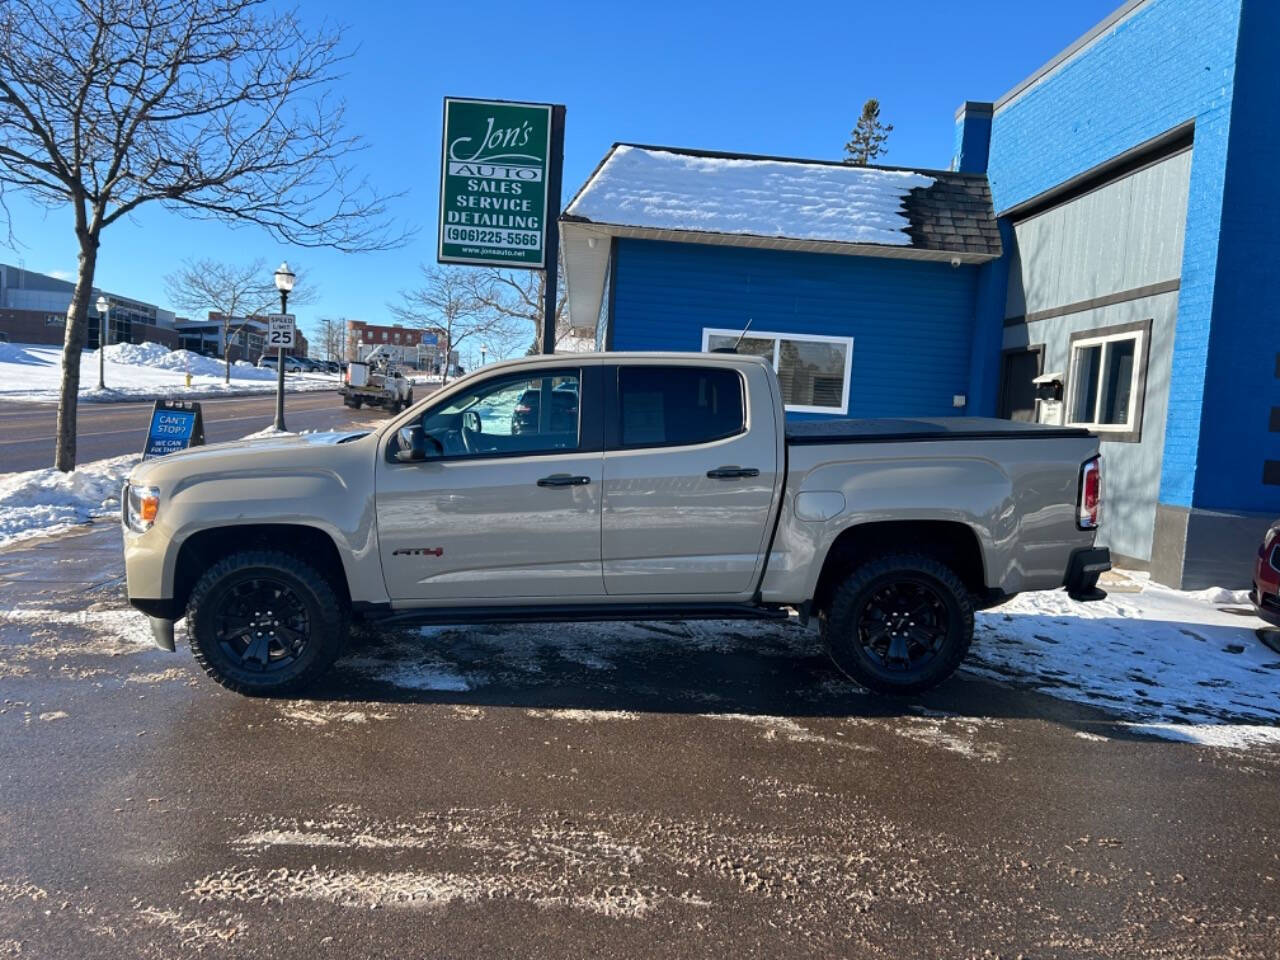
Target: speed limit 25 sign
281,328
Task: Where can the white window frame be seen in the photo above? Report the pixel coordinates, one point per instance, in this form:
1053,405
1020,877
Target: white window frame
1135,380
709,332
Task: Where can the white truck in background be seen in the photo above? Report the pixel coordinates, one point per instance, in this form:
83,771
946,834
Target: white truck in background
378,381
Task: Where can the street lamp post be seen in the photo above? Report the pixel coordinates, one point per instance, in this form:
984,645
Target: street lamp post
103,330
284,283
484,348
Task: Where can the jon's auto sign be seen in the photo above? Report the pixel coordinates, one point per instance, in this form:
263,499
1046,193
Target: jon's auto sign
493,183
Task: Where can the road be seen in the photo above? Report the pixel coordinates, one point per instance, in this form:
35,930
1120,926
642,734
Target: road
626,790
112,429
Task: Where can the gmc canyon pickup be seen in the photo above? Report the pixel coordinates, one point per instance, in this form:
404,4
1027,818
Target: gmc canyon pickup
637,486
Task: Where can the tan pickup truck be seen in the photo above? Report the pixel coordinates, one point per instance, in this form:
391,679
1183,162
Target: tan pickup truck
611,487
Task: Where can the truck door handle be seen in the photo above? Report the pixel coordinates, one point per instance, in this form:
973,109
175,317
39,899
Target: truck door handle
732,473
563,480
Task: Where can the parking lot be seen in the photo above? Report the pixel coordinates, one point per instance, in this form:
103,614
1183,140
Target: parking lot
642,789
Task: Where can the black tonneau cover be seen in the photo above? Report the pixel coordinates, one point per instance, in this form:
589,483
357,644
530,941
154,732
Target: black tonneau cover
805,432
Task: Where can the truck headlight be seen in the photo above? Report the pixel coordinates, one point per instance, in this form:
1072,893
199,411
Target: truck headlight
141,505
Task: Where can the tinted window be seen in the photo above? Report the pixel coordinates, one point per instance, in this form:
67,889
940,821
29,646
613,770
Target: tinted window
669,406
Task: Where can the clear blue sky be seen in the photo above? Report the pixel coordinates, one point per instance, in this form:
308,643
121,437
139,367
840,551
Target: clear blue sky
759,77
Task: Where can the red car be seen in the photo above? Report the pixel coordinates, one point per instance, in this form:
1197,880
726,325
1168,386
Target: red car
1266,577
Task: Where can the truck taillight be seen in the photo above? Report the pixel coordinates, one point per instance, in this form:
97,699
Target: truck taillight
1090,504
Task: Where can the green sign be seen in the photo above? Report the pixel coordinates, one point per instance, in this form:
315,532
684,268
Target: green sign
493,183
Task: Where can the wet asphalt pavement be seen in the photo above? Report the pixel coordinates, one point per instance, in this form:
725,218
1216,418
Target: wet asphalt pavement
696,791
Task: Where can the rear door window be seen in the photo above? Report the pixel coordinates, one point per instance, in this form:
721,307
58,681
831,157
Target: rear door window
665,406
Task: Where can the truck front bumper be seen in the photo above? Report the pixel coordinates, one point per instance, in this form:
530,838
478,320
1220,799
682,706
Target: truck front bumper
1083,570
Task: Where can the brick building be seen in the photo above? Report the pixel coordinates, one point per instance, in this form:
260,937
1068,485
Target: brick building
33,309
414,346
1134,180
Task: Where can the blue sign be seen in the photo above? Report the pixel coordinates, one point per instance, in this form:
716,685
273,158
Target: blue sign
430,340
175,425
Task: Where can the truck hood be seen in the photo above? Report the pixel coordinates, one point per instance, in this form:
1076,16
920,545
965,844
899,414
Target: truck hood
252,453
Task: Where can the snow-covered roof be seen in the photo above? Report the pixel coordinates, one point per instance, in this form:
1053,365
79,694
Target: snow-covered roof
698,196
665,190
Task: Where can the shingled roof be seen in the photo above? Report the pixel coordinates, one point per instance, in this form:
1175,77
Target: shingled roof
955,214
777,202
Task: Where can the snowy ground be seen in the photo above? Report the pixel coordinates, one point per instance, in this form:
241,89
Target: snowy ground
36,503
1180,665
31,373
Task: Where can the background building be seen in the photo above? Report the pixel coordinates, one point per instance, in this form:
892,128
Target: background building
248,337
413,346
1133,176
859,284
33,309
1110,228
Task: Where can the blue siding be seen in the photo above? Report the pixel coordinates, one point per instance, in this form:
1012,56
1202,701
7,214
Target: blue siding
1169,62
1240,381
912,322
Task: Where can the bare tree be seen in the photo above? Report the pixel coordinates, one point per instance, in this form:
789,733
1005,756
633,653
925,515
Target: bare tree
238,293
211,108
333,338
518,295
446,301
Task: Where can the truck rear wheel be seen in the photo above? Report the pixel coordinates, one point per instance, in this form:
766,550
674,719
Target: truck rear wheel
899,624
265,623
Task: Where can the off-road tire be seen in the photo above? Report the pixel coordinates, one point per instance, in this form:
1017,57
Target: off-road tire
326,610
839,622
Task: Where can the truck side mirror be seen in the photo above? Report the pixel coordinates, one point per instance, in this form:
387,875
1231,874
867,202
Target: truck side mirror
413,444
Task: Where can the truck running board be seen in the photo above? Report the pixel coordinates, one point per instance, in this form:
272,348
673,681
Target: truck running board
563,613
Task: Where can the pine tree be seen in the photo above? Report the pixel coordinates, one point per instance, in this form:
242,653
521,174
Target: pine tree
867,141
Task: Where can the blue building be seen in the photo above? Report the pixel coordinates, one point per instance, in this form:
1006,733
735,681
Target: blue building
1103,251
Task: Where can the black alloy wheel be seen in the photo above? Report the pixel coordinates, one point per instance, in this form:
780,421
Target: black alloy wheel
266,622
903,625
899,623
262,624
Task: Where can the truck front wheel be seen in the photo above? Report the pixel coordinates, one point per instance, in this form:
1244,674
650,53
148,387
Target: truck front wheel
899,624
265,623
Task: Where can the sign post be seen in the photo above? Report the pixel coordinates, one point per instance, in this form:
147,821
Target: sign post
281,329
175,425
500,180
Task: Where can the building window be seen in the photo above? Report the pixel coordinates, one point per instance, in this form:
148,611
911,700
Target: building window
1106,380
813,371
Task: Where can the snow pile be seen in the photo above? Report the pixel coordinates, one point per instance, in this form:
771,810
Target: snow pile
1184,665
43,502
159,357
137,371
639,187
